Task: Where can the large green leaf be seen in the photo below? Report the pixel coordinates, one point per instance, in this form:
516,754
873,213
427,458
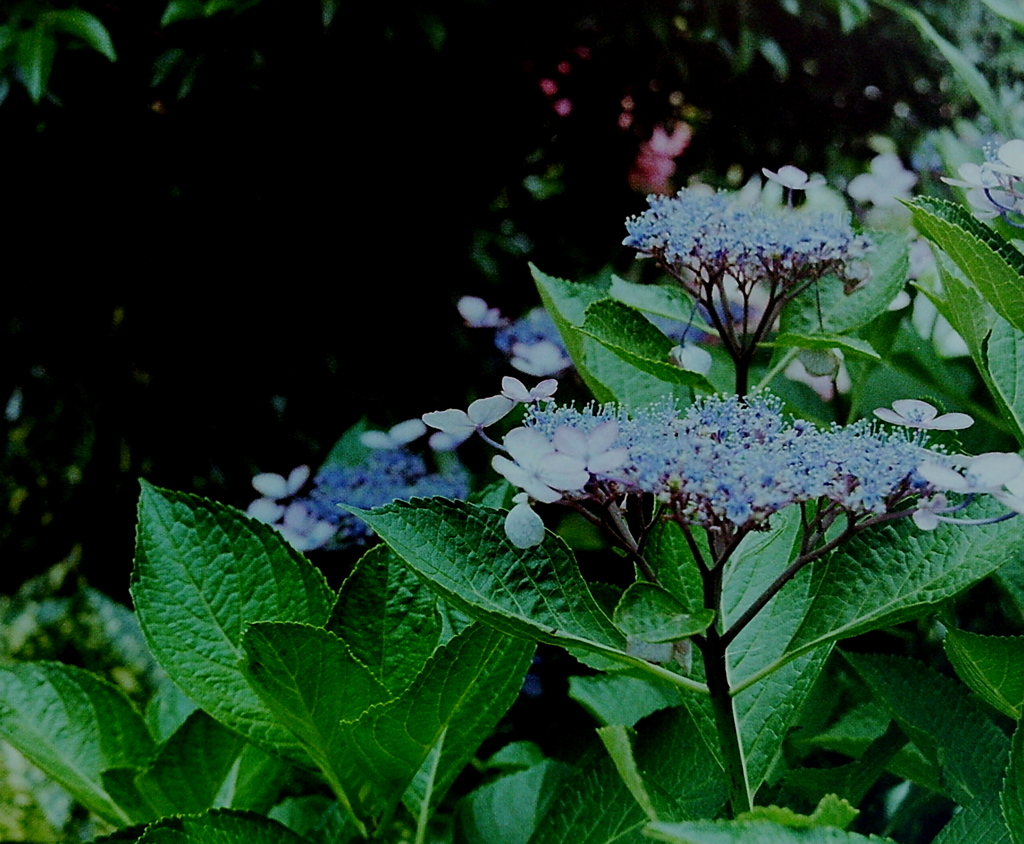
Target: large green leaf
751,832
608,376
507,810
75,727
592,805
191,768
652,614
387,617
220,826
992,264
83,25
993,666
1004,362
947,725
1011,797
766,709
981,820
310,681
451,707
461,550
203,571
633,338
36,49
620,699
664,300
894,572
668,553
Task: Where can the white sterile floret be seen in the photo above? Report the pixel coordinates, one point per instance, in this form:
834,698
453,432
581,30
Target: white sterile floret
523,526
886,182
793,178
477,314
542,358
302,530
396,436
537,468
462,423
926,516
513,388
275,486
593,449
1011,156
995,472
913,413
691,357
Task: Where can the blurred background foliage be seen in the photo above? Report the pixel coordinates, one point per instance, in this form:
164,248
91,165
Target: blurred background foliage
235,227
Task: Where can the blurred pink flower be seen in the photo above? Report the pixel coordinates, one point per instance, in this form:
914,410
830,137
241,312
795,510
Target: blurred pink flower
655,162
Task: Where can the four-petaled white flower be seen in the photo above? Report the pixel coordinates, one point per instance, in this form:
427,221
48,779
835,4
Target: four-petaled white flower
926,516
513,388
913,413
537,468
457,426
793,178
396,436
274,487
544,357
523,526
887,182
594,450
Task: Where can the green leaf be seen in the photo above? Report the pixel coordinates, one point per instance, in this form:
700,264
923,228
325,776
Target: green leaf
592,805
849,345
620,699
825,309
74,726
1008,9
85,26
607,376
830,811
947,725
993,666
191,767
1004,361
632,337
349,450
1011,796
317,818
220,826
203,571
182,10
451,707
649,613
895,572
311,683
664,300
255,781
751,832
962,66
765,710
994,266
668,553
36,49
981,820
167,709
667,766
462,552
507,810
387,617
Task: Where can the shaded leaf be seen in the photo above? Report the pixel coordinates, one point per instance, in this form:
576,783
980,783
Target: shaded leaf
651,614
620,699
751,832
220,826
507,810
993,666
203,571
83,25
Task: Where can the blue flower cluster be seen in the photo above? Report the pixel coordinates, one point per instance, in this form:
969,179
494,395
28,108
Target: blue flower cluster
732,460
385,475
716,236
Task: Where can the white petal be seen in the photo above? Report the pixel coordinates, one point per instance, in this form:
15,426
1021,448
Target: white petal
887,415
914,410
560,471
484,412
455,422
376,439
602,437
951,422
995,468
942,477
545,389
519,477
441,441
271,485
299,475
925,519
527,446
407,431
1012,155
571,441
539,359
608,461
514,389
524,527
266,511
